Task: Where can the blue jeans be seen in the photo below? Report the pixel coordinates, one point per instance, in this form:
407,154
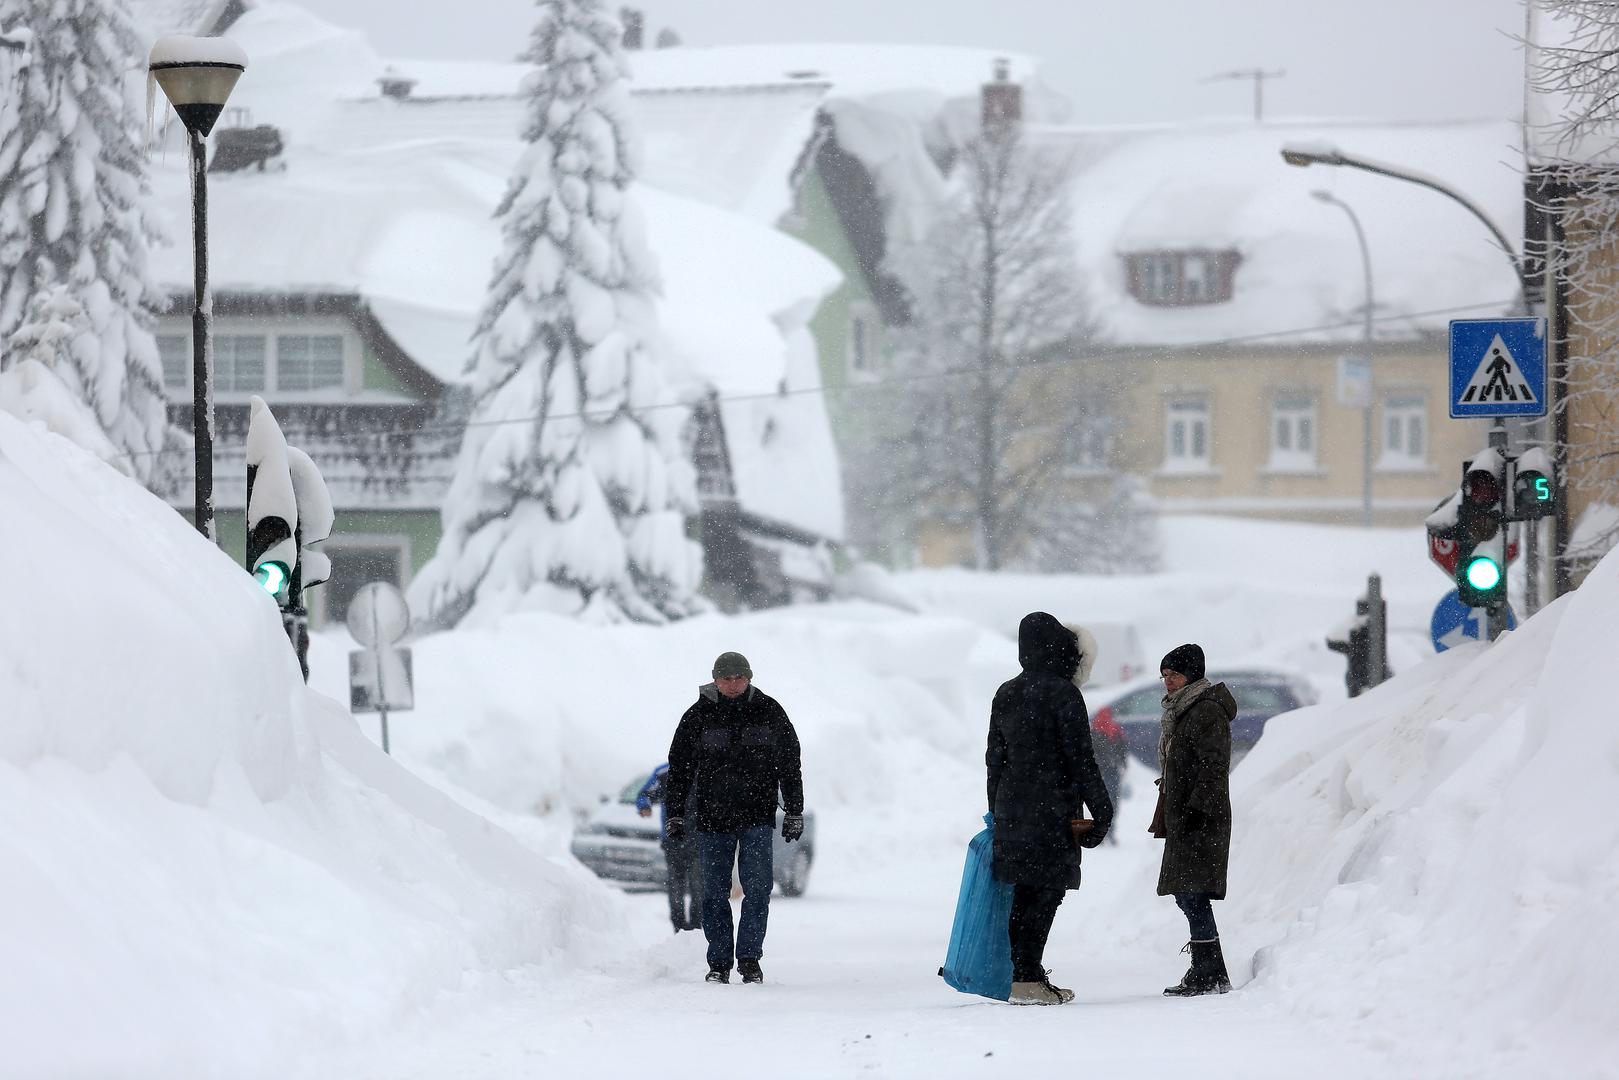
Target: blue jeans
1199,912
750,852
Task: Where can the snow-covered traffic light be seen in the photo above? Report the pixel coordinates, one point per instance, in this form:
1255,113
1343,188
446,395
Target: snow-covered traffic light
1534,495
1481,533
272,506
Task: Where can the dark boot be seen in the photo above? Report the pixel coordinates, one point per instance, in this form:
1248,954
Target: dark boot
1184,987
751,972
1208,974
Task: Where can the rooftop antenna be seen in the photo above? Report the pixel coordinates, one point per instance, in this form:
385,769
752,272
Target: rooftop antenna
1258,75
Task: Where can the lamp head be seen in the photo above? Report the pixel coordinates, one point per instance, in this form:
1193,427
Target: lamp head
197,76
1305,154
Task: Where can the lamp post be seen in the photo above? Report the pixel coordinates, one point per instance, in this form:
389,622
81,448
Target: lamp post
1304,155
1366,334
197,76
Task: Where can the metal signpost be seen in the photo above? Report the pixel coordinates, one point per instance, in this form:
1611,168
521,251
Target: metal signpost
1498,369
379,674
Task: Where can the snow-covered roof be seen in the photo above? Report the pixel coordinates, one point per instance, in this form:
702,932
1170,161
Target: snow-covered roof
1225,186
157,18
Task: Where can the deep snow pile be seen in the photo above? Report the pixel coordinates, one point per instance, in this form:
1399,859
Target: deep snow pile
1435,865
206,867
541,714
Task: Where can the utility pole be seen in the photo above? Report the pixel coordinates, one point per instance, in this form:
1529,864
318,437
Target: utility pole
1258,77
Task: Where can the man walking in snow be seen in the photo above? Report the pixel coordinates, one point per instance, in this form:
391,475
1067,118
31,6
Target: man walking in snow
741,744
1041,771
1195,798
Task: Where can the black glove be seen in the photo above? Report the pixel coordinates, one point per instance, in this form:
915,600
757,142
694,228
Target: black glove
792,827
674,830
1092,837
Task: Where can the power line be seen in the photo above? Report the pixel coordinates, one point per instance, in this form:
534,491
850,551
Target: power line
882,383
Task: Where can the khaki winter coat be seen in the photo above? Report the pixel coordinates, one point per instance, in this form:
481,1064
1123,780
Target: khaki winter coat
1197,796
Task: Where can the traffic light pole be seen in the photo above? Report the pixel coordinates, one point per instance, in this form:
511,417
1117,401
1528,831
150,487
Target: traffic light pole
1498,442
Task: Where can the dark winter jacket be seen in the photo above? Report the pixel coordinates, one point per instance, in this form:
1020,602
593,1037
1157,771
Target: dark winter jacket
1197,796
740,752
1041,766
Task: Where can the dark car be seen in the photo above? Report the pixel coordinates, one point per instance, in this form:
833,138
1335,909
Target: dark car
620,845
1135,708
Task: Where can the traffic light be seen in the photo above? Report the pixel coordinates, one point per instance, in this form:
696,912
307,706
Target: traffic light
272,507
1354,641
1481,531
1533,495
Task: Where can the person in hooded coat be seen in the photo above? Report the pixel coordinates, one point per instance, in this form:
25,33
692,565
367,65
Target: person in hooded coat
1041,771
1195,754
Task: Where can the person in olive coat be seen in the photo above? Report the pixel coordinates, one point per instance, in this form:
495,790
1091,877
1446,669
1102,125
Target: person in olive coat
1195,754
1041,771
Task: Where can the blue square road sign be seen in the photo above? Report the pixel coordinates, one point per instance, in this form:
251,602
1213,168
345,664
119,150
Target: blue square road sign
1497,367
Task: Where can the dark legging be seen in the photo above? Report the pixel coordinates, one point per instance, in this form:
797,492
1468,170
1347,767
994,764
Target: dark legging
1034,907
1199,915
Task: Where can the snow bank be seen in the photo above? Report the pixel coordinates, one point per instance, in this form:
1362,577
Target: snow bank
1432,866
208,870
541,714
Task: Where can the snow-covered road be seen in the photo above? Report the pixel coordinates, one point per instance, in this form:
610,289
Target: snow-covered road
851,990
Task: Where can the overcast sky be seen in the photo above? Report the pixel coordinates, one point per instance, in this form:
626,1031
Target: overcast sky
1121,61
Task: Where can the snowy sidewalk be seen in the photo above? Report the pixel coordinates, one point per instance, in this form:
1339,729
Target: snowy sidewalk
851,990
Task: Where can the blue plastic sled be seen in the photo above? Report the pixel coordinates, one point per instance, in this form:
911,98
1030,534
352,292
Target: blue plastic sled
979,960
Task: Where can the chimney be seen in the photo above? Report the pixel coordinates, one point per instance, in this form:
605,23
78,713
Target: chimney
634,21
1002,98
395,85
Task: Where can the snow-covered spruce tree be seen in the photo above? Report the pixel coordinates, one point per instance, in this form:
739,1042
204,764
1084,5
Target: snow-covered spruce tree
572,492
71,180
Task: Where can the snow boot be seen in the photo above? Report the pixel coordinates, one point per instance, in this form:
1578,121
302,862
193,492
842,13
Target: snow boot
1066,995
1208,974
1208,962
1182,988
718,975
1035,993
751,972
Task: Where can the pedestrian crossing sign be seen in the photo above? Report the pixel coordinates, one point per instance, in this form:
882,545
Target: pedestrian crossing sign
1497,367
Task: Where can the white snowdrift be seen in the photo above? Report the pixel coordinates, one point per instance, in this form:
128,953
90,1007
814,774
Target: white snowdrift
1433,866
208,869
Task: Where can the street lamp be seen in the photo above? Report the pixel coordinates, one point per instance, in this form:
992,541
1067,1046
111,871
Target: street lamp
197,76
1366,333
1305,154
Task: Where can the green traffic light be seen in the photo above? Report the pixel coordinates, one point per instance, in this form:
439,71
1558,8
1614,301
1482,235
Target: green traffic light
272,577
1543,489
1483,574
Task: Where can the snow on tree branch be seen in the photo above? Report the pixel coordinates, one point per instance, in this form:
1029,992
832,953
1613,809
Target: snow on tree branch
582,509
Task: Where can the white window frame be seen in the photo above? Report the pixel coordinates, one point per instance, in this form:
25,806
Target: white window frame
1404,432
182,343
1188,435
1295,434
272,330
1160,277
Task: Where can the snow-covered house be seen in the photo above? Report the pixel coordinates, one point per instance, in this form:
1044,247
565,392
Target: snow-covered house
1227,286
348,271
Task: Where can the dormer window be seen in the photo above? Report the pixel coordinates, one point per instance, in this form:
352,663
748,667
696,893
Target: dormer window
1181,278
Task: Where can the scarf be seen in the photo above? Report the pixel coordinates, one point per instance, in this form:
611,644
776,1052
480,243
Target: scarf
1174,705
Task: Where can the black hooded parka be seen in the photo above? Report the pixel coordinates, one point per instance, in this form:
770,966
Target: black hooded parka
1042,769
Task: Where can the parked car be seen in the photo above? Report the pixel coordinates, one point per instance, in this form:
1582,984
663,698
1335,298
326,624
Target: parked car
1134,709
621,846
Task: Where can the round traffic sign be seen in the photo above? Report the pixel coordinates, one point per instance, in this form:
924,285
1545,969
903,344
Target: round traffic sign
378,615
